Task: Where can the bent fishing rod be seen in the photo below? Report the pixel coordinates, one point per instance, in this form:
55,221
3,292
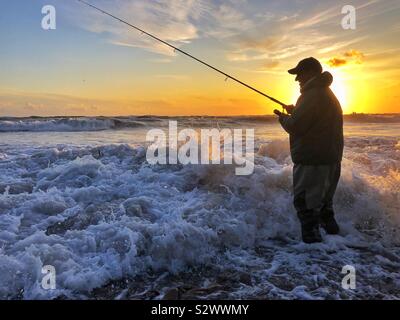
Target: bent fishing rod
183,52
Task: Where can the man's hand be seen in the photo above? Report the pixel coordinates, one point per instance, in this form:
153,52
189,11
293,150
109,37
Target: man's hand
277,112
289,108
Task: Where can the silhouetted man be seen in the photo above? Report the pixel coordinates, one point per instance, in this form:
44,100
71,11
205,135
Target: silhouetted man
315,126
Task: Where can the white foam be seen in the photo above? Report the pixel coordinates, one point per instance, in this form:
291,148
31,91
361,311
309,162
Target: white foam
127,217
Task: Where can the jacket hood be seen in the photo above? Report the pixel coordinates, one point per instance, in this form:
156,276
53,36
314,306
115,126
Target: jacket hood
325,79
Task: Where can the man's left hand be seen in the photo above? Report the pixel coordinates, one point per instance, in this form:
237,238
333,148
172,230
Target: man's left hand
289,108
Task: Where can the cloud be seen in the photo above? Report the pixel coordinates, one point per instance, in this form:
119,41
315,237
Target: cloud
318,19
341,45
227,20
332,15
287,18
351,56
183,21
176,21
270,64
279,52
249,48
237,56
259,44
337,62
172,21
356,55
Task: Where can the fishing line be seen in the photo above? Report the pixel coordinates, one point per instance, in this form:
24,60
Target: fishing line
183,52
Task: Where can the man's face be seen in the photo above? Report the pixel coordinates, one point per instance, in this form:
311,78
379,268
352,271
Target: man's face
303,77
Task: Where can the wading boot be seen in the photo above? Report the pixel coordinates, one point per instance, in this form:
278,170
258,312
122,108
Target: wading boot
328,222
309,220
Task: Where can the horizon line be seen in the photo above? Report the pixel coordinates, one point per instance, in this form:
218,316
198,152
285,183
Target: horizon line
181,116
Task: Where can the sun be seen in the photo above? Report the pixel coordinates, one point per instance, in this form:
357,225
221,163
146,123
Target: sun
338,87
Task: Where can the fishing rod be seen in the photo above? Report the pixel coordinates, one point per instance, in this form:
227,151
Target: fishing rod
185,53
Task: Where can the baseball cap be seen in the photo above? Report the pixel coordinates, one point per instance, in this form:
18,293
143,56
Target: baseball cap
311,64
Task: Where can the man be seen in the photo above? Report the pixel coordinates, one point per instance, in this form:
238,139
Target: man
315,126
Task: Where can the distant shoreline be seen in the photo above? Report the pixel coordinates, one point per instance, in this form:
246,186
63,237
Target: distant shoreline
347,115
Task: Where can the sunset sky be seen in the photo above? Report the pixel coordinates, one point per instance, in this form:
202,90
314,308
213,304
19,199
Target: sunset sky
93,65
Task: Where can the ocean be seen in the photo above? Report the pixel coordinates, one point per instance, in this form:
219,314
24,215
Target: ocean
77,193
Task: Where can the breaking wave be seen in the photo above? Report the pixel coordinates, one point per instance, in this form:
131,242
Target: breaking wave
71,124
112,225
68,124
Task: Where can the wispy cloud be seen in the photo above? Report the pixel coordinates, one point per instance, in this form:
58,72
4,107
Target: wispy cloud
176,21
318,18
259,44
227,20
341,44
170,20
288,18
333,14
270,64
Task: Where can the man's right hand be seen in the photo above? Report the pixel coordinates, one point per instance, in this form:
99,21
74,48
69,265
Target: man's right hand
289,108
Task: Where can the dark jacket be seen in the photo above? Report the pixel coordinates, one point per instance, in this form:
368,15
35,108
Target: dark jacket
316,124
